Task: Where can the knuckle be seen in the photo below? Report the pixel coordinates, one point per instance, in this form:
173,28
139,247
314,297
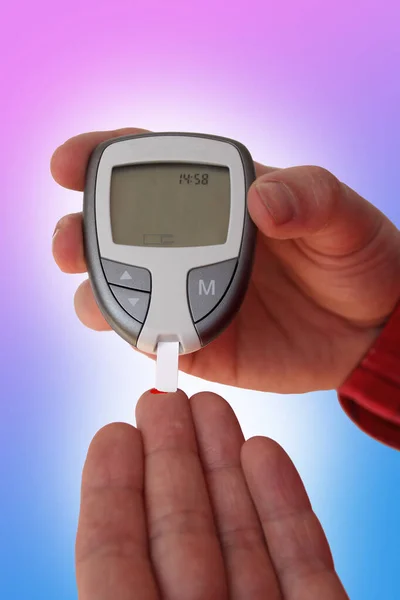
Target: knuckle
105,546
324,179
68,220
102,532
242,538
180,522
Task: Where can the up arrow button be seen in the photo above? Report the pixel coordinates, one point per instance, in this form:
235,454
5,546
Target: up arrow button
126,276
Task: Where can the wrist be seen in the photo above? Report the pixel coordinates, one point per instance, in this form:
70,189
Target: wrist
371,394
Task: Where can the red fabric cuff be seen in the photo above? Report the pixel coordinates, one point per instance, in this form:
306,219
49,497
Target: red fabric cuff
371,395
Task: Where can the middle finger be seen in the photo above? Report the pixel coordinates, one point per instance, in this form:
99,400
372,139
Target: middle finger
183,543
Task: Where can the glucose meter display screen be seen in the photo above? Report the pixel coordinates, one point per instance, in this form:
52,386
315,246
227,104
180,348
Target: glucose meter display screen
170,204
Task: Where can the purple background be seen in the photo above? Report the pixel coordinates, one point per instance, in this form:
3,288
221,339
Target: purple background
298,83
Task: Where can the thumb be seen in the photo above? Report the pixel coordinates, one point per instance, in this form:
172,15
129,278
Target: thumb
311,203
343,250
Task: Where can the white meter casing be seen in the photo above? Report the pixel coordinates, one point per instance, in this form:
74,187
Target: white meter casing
168,240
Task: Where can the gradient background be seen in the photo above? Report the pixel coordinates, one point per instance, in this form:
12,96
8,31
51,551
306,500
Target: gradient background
297,82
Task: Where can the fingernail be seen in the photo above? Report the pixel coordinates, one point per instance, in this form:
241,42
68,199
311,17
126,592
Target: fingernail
278,199
56,230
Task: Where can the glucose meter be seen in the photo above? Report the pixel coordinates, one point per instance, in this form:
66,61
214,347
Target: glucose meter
168,239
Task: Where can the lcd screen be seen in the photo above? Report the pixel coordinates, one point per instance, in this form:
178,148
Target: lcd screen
170,204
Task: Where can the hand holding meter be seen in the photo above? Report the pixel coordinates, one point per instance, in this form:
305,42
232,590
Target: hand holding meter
168,239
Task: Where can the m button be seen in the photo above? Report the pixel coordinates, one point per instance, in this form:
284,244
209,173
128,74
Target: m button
207,286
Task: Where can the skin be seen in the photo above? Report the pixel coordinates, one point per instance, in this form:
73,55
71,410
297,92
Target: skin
181,507
322,286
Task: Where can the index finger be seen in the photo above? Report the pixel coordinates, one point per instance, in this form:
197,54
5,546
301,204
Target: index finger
69,161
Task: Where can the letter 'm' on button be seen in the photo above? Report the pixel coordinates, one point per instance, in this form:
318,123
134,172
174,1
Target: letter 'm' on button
207,285
206,290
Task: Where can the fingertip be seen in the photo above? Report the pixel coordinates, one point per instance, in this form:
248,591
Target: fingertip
151,396
218,430
211,404
54,164
108,457
258,210
87,310
200,398
67,244
153,391
69,161
66,168
293,202
109,435
263,457
263,446
264,169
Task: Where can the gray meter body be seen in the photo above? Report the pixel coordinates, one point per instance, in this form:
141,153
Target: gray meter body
168,239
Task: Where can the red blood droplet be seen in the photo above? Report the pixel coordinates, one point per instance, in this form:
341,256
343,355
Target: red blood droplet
155,391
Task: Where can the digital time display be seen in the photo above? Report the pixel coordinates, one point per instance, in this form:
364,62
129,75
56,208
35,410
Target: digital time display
171,204
194,178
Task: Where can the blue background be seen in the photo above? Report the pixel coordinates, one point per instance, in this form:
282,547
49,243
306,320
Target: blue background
298,83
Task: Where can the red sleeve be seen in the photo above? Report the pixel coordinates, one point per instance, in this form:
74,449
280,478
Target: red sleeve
371,394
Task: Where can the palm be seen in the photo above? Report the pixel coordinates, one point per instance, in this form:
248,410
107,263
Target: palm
182,507
301,327
321,287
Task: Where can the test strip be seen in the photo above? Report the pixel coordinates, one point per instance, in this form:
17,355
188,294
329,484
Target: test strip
167,366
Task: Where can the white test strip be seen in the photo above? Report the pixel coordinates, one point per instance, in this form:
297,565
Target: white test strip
167,366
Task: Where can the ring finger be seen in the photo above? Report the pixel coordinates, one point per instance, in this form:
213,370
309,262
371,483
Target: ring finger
250,572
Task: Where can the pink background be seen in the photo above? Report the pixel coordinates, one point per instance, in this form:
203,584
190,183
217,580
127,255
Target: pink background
298,83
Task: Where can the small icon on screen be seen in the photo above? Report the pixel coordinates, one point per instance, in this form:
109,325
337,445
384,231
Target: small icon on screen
158,239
